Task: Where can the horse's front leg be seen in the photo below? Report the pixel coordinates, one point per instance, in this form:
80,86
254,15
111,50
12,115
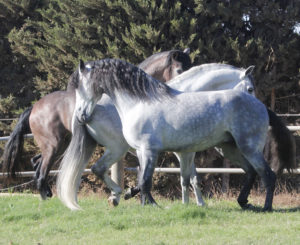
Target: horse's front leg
101,168
147,159
133,191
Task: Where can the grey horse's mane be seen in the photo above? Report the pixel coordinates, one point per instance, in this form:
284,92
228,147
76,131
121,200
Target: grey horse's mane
202,69
115,74
177,54
205,68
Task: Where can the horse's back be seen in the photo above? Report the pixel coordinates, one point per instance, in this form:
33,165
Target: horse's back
197,121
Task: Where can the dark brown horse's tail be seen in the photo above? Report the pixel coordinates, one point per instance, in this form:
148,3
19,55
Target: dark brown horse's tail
14,146
280,148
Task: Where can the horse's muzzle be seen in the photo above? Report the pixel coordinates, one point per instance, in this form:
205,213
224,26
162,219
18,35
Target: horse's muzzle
84,119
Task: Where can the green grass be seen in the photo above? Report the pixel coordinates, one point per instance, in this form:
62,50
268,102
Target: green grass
28,220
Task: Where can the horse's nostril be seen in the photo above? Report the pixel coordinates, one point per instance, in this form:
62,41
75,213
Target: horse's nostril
179,71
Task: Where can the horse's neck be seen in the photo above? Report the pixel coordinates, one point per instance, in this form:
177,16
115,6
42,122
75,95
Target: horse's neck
155,69
123,102
218,79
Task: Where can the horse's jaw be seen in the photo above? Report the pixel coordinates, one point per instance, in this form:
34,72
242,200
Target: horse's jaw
85,106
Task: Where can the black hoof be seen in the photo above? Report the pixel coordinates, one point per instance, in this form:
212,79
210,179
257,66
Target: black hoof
49,192
127,194
45,190
267,209
248,206
43,195
131,192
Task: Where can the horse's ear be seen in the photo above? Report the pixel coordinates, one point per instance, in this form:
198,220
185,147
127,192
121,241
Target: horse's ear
81,65
249,70
187,51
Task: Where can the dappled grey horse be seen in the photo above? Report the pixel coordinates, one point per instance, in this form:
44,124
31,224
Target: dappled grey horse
157,118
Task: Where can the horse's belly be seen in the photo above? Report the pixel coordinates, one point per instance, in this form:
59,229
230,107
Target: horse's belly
195,142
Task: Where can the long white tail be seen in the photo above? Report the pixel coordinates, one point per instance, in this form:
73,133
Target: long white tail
73,164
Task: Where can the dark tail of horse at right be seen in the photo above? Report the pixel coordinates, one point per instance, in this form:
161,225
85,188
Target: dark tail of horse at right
280,149
14,147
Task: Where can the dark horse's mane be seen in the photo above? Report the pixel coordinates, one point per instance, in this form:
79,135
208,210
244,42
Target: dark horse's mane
115,74
175,54
72,82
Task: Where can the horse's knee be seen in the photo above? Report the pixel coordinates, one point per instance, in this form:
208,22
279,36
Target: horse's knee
99,171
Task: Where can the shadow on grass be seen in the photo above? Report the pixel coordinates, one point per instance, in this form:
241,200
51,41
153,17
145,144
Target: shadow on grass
257,209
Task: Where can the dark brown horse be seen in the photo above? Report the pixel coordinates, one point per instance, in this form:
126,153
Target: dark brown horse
50,118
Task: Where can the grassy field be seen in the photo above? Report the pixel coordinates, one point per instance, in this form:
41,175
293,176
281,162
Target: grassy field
28,220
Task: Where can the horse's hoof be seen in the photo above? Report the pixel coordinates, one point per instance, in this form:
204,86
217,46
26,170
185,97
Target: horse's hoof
248,206
202,204
267,209
49,194
128,194
43,195
113,201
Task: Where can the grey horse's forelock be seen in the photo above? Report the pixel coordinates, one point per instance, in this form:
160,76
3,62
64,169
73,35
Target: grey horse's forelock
114,74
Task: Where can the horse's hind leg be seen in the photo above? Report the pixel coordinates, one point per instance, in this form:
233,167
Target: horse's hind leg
51,152
243,197
255,162
189,176
42,185
231,152
48,160
36,161
267,175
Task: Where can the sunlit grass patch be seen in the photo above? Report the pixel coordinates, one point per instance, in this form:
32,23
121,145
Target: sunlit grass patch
29,220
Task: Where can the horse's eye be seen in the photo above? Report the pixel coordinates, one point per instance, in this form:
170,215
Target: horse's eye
250,90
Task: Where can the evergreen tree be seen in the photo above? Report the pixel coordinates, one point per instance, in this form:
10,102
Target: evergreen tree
240,33
16,89
259,33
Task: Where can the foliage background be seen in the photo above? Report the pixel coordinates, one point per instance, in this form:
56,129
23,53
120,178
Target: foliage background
41,42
